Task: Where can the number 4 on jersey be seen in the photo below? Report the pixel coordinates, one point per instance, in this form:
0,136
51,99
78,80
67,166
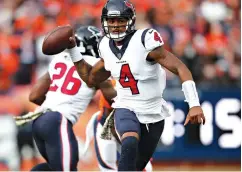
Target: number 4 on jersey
127,79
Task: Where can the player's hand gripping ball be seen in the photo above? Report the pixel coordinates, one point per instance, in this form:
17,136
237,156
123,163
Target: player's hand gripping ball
57,40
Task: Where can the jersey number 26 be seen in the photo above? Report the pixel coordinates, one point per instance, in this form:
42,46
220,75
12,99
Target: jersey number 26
69,79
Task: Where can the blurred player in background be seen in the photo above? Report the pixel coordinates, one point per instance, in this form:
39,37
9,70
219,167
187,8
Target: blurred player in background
133,58
9,155
106,150
88,43
63,97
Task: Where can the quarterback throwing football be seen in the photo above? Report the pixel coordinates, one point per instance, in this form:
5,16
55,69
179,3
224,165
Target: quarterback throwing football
134,58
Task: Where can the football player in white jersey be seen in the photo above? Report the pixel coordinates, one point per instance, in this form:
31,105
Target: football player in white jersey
63,96
133,58
106,150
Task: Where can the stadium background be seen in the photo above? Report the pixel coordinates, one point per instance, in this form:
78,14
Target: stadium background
205,34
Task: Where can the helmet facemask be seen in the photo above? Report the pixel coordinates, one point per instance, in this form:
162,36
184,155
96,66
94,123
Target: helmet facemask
80,44
129,27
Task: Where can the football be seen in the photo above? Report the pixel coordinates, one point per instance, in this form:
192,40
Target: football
57,40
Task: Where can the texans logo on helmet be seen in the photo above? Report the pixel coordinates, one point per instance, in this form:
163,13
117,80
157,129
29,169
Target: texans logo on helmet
128,4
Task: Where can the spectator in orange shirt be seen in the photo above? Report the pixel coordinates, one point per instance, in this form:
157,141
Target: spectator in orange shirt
8,64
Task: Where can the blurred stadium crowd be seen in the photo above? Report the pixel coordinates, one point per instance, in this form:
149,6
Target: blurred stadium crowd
205,34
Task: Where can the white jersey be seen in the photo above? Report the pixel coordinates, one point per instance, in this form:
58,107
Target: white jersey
139,83
68,93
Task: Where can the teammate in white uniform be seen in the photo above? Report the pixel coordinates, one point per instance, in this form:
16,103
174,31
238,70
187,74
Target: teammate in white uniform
133,58
63,97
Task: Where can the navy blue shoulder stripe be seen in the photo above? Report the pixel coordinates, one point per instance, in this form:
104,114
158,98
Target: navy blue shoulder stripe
143,36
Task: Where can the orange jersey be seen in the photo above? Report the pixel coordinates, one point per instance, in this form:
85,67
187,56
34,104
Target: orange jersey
9,65
9,60
103,103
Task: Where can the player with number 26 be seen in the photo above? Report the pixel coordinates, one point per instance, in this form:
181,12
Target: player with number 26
63,97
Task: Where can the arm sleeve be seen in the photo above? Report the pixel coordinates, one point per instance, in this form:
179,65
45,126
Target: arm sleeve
152,39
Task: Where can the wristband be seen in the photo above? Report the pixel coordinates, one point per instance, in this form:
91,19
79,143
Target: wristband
190,92
75,54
